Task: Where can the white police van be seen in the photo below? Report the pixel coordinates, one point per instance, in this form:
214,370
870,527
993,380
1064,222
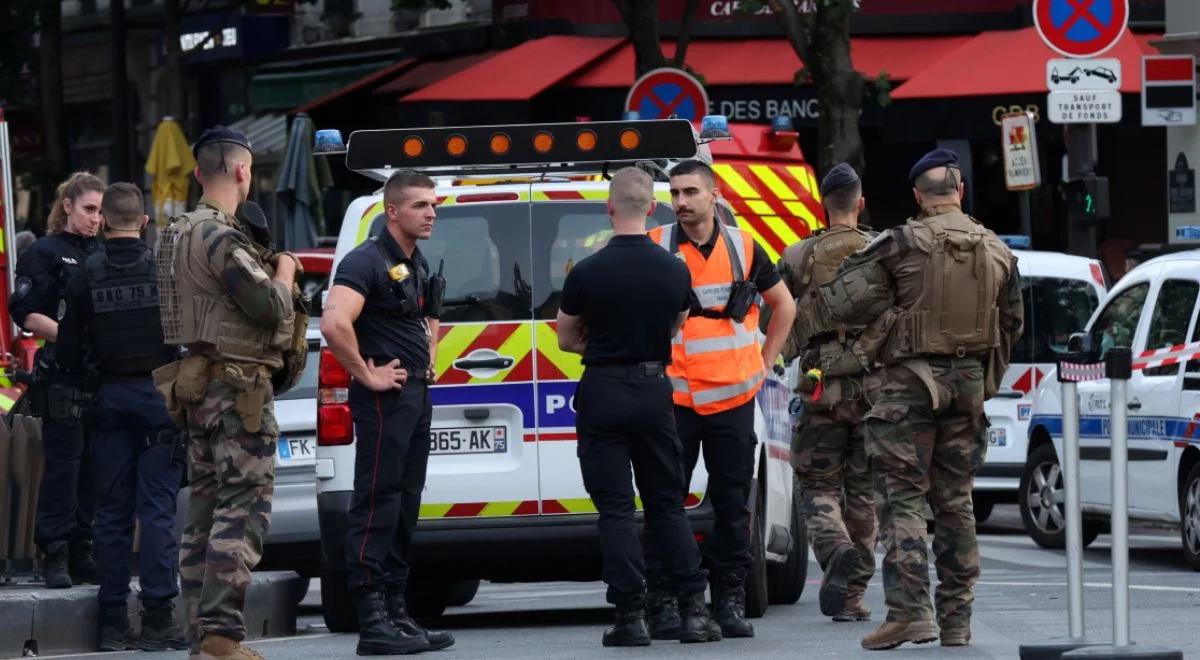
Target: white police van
1153,307
1060,293
504,499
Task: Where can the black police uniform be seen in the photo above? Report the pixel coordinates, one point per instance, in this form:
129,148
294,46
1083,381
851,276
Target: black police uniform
392,427
629,295
66,502
111,325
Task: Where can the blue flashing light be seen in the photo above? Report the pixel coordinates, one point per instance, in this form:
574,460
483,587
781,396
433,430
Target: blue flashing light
782,124
327,140
631,115
714,127
1016,242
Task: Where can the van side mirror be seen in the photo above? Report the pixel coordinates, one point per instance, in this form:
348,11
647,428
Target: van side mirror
1079,342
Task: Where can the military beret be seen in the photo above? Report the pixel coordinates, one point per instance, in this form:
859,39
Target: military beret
841,176
220,133
935,158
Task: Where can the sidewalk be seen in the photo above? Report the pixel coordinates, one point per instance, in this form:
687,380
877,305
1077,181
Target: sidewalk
39,621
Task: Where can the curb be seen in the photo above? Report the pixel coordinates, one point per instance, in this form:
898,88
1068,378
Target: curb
39,621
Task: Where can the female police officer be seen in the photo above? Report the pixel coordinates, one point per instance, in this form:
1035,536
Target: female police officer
65,503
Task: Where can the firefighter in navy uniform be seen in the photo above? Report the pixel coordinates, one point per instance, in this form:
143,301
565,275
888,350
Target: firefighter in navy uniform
111,326
66,505
380,321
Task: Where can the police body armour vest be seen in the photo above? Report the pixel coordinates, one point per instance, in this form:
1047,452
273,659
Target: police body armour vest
194,305
125,331
947,286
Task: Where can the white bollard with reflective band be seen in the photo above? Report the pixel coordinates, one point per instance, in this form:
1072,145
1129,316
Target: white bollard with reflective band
1072,508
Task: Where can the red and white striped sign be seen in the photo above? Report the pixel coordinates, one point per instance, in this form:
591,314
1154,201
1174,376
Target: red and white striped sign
1162,357
1080,372
1169,90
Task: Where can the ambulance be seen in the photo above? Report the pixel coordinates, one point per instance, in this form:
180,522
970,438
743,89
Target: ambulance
518,206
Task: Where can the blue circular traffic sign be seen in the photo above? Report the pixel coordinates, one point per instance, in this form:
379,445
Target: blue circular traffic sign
1080,28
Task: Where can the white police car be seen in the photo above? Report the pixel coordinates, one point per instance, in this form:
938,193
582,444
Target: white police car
1153,307
504,499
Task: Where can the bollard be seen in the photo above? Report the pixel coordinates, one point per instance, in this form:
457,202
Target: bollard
1119,367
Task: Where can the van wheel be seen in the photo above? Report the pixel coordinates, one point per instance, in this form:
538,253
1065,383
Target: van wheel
461,593
983,506
1042,501
427,600
756,575
1189,505
785,582
340,611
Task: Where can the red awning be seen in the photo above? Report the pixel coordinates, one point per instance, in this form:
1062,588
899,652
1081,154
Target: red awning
773,61
430,72
520,73
1010,62
362,83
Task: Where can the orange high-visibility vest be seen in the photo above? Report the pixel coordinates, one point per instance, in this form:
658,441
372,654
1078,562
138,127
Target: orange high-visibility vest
716,363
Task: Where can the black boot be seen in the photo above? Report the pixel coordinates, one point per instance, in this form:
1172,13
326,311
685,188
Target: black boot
629,629
731,608
662,614
82,566
57,576
697,626
398,613
159,630
114,634
377,635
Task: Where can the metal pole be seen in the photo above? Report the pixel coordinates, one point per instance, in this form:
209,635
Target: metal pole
1026,215
1072,508
1119,369
10,220
1081,161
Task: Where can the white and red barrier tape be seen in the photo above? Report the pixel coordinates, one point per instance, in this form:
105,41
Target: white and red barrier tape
1081,372
1162,357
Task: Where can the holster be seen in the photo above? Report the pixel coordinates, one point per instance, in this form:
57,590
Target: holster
65,401
252,383
176,441
181,382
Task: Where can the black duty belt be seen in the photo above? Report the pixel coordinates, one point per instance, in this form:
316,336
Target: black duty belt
638,370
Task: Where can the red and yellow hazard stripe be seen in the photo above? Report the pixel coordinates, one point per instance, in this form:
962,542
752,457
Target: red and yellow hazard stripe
777,204
527,507
532,346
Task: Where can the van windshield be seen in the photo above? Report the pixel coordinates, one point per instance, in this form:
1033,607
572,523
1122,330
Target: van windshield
1054,309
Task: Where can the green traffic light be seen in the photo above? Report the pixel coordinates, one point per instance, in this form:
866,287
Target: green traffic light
1089,205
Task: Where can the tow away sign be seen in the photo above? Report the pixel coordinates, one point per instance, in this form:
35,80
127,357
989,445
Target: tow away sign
1021,168
1071,75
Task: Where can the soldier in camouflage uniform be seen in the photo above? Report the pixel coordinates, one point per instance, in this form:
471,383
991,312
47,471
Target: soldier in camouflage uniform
234,314
827,446
948,290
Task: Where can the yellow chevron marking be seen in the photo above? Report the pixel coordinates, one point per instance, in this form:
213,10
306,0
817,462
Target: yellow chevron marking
781,229
496,509
6,403
759,207
434,510
740,186
546,341
772,180
517,346
364,223
806,178
455,343
799,210
578,505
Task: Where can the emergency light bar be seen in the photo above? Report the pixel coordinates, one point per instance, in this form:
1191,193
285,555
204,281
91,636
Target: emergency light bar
566,147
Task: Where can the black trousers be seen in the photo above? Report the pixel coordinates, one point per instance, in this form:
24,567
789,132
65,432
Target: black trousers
66,506
391,454
624,418
727,440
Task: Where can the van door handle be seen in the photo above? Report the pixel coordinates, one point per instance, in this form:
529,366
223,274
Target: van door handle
467,364
1009,394
1134,405
477,414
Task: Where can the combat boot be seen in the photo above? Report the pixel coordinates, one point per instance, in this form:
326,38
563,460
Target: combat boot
216,647
114,634
57,576
697,625
894,633
629,628
81,565
662,614
731,608
854,609
834,584
377,635
956,635
159,630
398,614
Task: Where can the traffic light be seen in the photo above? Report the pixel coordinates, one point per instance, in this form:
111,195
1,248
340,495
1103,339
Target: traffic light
1087,198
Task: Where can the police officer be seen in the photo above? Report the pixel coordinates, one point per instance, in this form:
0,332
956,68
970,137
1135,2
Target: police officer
235,316
949,295
112,325
827,448
66,503
381,322
620,308
718,365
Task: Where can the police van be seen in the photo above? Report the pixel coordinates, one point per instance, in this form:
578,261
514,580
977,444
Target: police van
504,499
1153,307
1060,292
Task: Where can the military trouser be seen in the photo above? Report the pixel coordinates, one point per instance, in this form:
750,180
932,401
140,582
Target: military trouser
232,436
919,451
829,456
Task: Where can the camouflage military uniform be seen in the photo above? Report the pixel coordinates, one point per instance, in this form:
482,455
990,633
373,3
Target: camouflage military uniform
827,443
925,433
222,395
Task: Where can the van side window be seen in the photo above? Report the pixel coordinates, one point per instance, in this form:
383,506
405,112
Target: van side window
1118,321
1171,318
1054,309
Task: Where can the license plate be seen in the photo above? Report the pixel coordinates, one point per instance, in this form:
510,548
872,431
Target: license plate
469,440
296,451
997,437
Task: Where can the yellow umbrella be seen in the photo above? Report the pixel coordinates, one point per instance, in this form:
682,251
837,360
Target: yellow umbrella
171,164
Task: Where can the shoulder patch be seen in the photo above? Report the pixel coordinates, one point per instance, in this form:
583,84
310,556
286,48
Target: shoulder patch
249,265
